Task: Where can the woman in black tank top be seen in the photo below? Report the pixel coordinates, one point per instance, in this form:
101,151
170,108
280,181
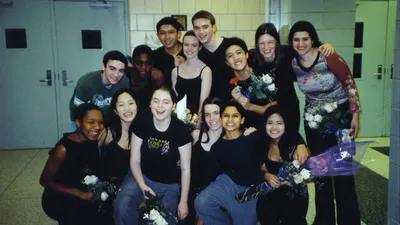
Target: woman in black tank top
192,78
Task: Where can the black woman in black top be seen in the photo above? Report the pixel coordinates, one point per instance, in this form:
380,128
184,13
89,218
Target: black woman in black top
284,205
65,199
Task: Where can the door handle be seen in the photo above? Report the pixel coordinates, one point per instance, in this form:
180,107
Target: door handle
378,74
48,78
391,71
64,78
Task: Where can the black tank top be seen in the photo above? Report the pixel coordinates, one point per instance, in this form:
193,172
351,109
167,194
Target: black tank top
191,88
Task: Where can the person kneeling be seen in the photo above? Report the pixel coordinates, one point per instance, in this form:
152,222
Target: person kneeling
235,161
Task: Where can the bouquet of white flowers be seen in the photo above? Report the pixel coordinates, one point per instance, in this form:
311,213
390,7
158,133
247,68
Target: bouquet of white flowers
102,190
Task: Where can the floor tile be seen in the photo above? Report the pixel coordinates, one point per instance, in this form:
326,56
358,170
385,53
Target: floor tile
11,164
26,185
20,211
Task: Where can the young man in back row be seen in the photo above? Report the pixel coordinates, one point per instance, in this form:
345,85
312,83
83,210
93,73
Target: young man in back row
98,87
213,53
170,55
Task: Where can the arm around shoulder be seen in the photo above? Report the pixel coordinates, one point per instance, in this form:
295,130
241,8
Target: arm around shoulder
157,77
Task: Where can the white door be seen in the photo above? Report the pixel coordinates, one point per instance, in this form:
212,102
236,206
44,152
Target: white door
71,20
375,72
28,106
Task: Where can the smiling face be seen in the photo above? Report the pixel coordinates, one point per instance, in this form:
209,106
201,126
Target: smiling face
191,46
113,72
161,105
126,108
275,126
91,125
302,43
236,57
267,45
204,30
212,117
231,119
168,36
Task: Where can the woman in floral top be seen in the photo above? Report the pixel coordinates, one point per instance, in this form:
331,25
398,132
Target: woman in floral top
331,104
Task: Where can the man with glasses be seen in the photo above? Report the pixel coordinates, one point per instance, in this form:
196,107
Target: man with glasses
143,78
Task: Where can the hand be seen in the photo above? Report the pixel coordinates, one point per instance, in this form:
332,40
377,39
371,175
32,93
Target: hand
145,189
249,130
179,60
354,125
236,93
326,49
245,102
301,154
86,195
272,180
183,210
178,163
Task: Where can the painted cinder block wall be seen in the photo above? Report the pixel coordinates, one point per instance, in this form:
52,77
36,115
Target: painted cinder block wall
233,17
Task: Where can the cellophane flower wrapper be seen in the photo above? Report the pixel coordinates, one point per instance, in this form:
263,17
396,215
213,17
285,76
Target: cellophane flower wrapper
104,191
184,114
342,159
151,209
262,87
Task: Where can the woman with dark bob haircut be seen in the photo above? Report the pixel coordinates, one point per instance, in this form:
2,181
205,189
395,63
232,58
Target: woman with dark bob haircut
327,82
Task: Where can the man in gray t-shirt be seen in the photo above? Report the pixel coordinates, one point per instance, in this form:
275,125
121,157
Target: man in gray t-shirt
98,87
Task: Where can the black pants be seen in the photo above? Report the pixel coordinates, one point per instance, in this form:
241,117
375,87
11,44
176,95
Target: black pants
279,208
340,187
68,210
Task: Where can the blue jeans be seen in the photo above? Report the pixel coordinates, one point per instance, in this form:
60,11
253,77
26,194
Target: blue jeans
220,194
130,196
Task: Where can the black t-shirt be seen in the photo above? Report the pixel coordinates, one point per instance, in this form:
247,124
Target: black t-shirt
166,63
159,151
239,158
221,73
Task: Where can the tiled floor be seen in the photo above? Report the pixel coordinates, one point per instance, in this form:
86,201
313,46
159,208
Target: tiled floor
20,192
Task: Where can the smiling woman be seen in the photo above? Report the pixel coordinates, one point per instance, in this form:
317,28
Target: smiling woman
192,78
233,165
156,148
65,198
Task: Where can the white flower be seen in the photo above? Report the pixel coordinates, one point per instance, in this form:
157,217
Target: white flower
266,78
157,218
328,107
318,118
88,180
334,105
312,124
305,174
352,91
103,196
296,164
271,87
298,178
309,117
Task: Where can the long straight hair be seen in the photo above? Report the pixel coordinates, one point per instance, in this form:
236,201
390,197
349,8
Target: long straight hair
268,28
204,127
112,121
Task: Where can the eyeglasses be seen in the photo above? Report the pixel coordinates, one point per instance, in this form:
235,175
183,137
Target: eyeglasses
140,63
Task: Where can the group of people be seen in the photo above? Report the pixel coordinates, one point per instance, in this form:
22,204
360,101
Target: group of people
126,132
